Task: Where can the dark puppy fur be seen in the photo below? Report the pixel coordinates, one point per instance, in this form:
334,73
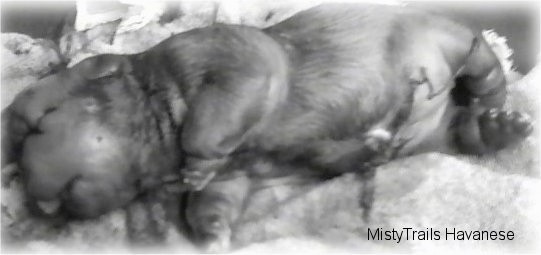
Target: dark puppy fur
339,88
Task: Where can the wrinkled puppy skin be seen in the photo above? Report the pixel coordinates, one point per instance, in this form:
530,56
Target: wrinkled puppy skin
88,137
316,91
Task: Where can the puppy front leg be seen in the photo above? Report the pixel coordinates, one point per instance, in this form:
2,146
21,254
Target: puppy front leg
219,119
211,212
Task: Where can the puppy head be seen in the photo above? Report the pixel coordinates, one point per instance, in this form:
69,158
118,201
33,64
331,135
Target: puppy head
86,137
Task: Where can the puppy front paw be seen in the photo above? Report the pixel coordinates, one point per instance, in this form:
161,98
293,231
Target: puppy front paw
218,242
197,180
200,171
212,232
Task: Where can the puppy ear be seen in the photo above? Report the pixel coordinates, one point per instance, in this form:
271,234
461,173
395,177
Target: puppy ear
103,66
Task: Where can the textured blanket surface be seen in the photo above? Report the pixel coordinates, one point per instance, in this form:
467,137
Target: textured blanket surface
428,192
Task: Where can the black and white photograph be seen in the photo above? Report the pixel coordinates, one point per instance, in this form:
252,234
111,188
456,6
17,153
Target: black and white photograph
254,126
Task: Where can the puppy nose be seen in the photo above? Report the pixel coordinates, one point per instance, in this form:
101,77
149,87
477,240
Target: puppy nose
46,175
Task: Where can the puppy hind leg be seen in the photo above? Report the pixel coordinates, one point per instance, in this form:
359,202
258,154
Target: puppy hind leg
482,75
483,127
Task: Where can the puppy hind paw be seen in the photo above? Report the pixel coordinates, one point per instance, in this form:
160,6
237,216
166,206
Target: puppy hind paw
499,128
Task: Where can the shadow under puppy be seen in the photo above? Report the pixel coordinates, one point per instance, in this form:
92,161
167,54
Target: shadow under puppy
334,89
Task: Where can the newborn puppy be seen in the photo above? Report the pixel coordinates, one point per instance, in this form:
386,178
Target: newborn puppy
337,88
